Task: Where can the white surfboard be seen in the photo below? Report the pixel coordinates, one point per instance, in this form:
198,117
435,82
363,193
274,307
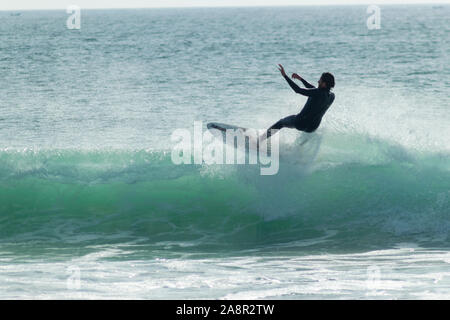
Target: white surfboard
219,131
223,126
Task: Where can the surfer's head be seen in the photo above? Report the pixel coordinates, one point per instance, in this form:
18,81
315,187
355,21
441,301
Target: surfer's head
326,81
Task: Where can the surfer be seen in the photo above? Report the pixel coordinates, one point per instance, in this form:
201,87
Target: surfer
319,100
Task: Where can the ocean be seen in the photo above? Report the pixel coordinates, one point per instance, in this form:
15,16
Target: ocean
93,207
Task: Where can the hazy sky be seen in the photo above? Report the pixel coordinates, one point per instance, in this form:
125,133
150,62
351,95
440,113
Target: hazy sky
62,4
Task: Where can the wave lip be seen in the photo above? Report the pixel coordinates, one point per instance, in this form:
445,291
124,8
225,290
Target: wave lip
344,197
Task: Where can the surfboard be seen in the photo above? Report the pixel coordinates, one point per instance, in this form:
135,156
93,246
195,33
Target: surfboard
224,127
252,135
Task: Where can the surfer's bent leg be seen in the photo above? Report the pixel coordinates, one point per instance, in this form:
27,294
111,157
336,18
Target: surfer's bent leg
288,122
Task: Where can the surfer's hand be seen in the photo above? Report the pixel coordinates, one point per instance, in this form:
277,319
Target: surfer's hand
296,76
282,70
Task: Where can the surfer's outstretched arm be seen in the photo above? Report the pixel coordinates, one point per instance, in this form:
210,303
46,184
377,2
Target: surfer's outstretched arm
306,92
305,83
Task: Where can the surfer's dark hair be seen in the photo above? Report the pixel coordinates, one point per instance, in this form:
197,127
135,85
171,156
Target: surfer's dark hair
328,78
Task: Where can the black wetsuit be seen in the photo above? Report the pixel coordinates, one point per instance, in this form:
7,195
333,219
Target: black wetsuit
319,100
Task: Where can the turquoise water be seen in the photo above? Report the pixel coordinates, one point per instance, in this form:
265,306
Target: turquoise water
88,190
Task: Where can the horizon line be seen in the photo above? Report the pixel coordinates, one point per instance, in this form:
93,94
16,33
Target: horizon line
402,3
